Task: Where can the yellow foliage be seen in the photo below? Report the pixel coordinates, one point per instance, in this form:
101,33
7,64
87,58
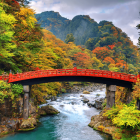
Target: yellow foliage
97,64
111,65
127,117
26,15
101,127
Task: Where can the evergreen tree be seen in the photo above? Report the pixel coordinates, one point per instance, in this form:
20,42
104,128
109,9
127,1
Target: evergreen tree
69,38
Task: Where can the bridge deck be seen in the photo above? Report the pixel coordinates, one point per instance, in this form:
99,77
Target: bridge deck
91,75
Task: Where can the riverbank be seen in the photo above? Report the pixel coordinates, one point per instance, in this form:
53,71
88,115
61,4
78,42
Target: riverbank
105,125
101,123
13,125
10,125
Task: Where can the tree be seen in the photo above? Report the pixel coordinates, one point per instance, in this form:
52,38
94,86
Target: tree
90,44
82,60
96,63
7,22
69,38
109,60
102,52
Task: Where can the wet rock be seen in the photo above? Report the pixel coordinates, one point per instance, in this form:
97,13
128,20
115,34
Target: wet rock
92,104
53,98
41,112
85,100
81,96
86,92
47,110
98,103
97,95
13,125
48,97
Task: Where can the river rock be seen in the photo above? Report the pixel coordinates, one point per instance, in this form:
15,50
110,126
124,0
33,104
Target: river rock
98,103
53,98
97,95
27,124
85,100
47,110
81,96
86,92
91,103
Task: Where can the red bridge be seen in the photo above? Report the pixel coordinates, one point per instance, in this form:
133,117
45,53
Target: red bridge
88,75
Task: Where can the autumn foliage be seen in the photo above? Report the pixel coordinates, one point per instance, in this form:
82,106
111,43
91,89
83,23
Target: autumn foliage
102,52
25,46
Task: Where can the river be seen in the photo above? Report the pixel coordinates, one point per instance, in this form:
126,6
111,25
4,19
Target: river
70,124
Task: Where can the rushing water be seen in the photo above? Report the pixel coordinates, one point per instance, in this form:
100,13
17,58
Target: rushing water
70,124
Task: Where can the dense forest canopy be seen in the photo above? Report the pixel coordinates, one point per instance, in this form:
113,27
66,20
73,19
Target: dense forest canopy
26,46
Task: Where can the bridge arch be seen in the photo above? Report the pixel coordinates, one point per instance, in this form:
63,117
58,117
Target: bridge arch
85,75
111,79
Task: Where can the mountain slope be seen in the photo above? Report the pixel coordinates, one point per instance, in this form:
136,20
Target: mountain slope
82,26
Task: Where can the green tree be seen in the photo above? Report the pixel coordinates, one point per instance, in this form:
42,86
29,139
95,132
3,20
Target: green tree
90,43
69,38
7,22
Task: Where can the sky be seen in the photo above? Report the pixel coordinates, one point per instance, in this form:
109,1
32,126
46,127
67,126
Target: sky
124,14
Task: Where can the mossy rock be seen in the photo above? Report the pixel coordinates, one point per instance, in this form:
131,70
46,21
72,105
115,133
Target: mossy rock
94,128
86,92
28,124
47,110
26,129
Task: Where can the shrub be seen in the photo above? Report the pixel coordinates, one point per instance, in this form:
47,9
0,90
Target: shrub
112,113
17,89
128,117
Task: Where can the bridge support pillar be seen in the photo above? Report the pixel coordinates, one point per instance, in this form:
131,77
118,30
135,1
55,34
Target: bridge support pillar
26,89
110,95
138,104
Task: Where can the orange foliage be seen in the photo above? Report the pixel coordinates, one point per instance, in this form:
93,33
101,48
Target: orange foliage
111,46
119,43
120,63
102,52
115,32
120,96
82,59
109,60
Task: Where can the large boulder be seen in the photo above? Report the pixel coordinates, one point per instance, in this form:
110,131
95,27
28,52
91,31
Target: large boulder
28,124
98,103
47,110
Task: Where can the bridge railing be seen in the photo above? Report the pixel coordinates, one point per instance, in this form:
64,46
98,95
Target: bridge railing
71,72
4,77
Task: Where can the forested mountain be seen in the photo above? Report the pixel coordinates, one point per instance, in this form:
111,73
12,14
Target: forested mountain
108,42
82,27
